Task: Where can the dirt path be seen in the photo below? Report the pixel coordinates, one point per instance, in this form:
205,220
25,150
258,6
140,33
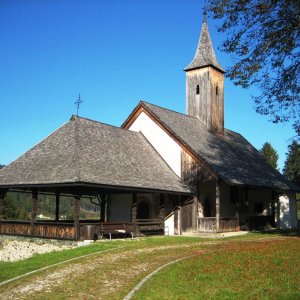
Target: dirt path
104,276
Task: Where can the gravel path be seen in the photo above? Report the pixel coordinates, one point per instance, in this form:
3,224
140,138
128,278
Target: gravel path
18,248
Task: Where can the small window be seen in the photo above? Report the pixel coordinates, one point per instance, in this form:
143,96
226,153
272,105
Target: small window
217,91
198,90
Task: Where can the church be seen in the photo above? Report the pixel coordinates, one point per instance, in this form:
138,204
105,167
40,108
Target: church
161,172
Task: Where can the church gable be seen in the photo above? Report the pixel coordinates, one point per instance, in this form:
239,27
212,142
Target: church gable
141,120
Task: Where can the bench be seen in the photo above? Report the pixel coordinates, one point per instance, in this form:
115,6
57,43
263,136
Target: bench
111,229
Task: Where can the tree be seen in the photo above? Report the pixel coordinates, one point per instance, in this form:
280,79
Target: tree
291,167
270,154
264,36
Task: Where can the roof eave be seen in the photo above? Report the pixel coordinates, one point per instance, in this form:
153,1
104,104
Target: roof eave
187,69
91,185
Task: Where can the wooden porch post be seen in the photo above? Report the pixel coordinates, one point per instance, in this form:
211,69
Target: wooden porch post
77,216
162,211
34,207
133,208
273,209
134,213
246,206
57,200
237,211
102,211
218,205
2,195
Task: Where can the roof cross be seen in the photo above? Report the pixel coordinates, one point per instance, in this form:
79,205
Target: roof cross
78,102
204,12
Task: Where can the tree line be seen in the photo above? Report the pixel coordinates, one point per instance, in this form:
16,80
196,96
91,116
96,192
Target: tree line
291,168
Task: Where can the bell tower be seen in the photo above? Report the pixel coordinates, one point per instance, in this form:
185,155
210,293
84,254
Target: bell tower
205,84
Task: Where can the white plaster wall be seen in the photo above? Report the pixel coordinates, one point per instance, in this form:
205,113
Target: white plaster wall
287,211
163,144
120,208
169,222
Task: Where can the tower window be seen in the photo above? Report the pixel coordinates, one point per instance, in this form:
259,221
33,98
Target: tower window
217,91
198,90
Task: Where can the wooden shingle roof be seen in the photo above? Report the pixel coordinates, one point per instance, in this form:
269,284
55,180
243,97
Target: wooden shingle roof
205,54
231,156
85,151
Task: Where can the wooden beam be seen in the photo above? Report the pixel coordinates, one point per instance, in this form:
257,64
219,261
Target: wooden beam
57,201
195,213
134,208
237,209
2,195
77,216
162,211
34,207
247,205
218,200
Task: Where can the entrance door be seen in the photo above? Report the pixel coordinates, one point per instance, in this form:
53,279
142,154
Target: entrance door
143,211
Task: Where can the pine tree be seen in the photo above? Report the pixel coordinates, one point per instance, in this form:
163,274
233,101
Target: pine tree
291,167
270,154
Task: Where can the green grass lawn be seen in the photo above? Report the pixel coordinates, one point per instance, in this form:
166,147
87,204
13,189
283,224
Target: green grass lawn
249,270
254,266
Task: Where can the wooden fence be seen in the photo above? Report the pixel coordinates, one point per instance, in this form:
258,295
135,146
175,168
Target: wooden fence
40,229
210,224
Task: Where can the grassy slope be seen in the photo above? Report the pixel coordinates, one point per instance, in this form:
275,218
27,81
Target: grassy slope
261,270
228,268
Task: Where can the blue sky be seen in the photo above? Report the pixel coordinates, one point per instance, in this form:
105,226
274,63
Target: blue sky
115,53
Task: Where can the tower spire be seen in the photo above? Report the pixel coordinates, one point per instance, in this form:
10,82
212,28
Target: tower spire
205,84
205,54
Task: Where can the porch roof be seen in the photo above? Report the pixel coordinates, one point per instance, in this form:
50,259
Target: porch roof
86,151
231,156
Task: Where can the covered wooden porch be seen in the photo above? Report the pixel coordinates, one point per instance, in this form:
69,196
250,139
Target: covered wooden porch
239,208
80,229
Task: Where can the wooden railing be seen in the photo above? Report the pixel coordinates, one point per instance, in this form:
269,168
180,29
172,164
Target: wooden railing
149,226
88,228
40,229
210,224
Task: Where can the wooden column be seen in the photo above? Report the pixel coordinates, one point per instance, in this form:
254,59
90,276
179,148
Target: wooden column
57,200
2,195
34,207
102,210
134,208
246,207
273,208
77,216
134,213
195,214
218,198
237,211
162,211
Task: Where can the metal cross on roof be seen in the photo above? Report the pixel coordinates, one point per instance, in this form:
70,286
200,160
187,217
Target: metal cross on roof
78,102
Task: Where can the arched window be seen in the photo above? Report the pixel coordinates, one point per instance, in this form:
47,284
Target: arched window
217,91
198,90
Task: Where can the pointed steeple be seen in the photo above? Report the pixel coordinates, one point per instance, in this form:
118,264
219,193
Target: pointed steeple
205,55
205,84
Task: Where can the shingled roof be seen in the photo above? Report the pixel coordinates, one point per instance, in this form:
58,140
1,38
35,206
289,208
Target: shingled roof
85,151
205,54
231,156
